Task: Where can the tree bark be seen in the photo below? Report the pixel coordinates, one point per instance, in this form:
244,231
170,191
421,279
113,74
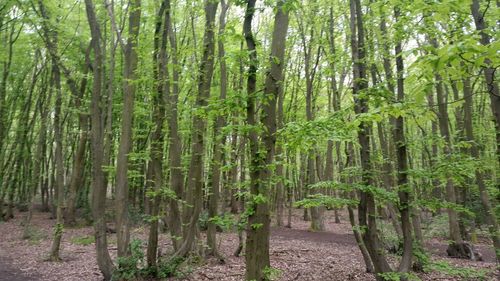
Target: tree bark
366,207
157,141
491,219
213,197
258,230
59,227
129,77
175,145
96,137
195,174
402,162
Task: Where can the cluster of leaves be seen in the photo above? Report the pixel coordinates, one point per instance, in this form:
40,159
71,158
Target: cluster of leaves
133,266
83,240
321,200
464,273
304,134
380,193
434,204
130,267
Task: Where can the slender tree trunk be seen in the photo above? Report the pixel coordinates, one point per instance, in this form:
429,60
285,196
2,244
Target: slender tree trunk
489,74
157,141
366,207
195,174
59,227
445,133
402,162
76,180
39,159
175,144
494,93
280,187
213,197
96,137
491,219
352,219
129,77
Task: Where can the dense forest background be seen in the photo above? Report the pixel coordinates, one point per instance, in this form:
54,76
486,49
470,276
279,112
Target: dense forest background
194,118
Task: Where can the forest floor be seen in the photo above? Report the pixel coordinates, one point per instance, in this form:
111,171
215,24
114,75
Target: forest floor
298,253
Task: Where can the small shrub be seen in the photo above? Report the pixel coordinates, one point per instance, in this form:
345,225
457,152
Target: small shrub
271,273
461,272
438,227
129,267
83,240
203,221
34,235
169,268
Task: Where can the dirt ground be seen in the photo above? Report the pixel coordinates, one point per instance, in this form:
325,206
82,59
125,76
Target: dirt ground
298,253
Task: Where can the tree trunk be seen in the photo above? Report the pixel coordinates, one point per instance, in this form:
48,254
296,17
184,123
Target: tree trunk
491,219
175,145
76,180
258,230
129,77
96,136
402,162
489,74
157,141
195,174
59,194
492,86
366,207
213,197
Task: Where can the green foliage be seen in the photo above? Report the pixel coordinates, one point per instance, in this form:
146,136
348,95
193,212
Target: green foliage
397,276
83,240
305,134
169,268
462,272
129,267
330,202
203,221
58,229
271,273
435,204
438,227
225,222
380,193
34,235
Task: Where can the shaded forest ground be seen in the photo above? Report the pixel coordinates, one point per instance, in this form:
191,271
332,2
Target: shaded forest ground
298,253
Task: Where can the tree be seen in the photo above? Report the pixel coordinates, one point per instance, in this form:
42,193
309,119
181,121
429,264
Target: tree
129,75
262,154
96,139
195,174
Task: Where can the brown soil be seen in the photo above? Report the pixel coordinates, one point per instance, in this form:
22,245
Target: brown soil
298,253
10,273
